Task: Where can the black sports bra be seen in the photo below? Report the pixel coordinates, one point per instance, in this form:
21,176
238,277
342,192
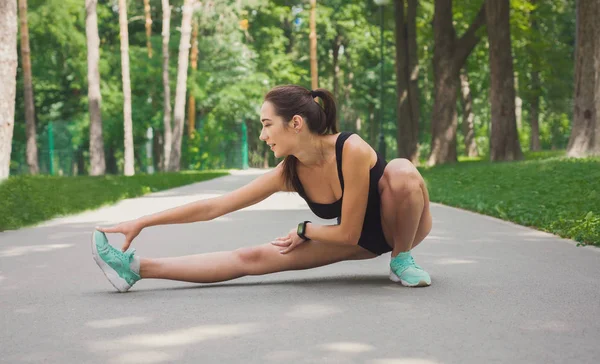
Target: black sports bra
333,210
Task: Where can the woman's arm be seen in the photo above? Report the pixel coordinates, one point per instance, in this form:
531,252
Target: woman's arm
204,210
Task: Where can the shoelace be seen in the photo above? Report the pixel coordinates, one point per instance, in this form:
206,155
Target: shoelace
117,254
401,266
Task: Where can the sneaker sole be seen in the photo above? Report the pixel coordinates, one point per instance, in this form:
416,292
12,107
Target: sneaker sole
395,278
113,277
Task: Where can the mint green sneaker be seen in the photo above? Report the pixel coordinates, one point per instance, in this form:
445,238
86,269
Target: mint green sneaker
120,268
403,269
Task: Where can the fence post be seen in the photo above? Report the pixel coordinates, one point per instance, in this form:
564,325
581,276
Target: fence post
51,148
244,145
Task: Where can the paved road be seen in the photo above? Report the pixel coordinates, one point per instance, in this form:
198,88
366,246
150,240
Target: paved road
501,293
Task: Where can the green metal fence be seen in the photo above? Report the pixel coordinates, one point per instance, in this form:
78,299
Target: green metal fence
57,155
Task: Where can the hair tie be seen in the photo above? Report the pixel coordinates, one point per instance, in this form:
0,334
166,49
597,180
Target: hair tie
313,93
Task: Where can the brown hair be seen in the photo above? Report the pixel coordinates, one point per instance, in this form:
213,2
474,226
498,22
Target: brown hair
293,100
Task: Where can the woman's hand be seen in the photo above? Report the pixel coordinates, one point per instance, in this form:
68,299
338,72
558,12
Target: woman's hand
289,242
130,229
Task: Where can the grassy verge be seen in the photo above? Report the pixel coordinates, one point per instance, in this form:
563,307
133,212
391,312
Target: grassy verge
558,195
26,200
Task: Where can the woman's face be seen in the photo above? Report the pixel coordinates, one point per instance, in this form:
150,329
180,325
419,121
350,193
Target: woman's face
274,133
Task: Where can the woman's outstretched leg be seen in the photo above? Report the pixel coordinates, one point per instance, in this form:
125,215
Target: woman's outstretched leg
258,260
124,269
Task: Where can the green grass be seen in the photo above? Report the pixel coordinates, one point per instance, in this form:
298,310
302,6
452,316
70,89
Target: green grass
27,200
546,191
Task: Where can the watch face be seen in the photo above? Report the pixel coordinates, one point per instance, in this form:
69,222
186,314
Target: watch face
299,230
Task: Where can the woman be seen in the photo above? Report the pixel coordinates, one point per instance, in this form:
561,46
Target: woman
380,208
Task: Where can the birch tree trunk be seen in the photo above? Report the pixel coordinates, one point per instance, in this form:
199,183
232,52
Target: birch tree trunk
32,152
8,81
585,132
504,139
182,69
127,123
168,134
97,161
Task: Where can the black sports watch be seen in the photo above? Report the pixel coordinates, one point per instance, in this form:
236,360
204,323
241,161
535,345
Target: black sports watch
302,230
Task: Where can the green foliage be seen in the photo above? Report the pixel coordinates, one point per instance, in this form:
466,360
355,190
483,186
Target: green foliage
558,194
28,200
236,67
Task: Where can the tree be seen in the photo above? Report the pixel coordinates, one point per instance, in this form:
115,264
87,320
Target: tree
504,139
97,161
585,132
32,153
407,74
450,54
8,84
194,66
536,88
166,34
127,123
314,70
182,69
148,27
468,115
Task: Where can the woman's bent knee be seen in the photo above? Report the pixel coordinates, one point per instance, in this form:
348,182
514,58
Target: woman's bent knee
401,177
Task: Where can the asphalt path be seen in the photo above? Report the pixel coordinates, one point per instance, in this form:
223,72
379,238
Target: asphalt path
501,293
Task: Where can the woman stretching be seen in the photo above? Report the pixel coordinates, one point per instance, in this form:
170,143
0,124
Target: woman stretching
379,207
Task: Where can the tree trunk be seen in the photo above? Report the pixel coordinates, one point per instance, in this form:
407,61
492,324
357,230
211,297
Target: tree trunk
518,105
127,123
32,153
158,149
585,132
335,46
518,112
8,81
504,139
449,56
413,67
148,27
288,31
373,126
168,135
536,88
347,109
408,125
314,71
468,116
182,69
534,112
97,161
194,65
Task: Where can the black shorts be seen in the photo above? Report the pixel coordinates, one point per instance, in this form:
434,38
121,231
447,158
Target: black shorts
372,237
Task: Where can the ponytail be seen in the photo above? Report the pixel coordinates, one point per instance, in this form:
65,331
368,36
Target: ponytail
329,108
